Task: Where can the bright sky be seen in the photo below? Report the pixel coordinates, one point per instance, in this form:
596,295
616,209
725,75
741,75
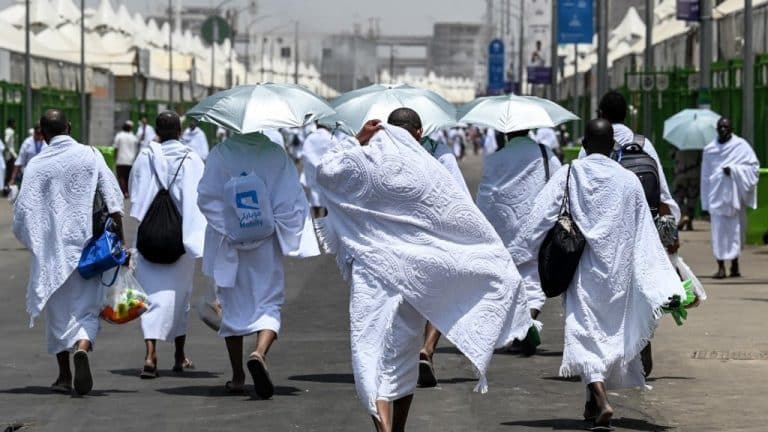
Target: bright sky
332,16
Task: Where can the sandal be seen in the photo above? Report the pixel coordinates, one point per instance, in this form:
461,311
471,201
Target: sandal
83,377
186,364
261,381
427,377
61,388
233,389
149,372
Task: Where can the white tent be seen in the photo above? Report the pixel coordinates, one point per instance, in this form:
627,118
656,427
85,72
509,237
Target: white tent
67,11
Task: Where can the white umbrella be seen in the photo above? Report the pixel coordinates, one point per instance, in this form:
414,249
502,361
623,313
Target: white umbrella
511,113
253,108
377,101
691,129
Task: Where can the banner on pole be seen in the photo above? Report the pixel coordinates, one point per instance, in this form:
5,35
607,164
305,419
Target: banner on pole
575,22
688,10
537,38
495,67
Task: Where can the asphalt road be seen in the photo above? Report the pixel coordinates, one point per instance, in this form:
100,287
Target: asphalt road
709,374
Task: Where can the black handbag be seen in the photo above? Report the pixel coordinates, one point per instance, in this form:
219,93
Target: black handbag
160,239
561,251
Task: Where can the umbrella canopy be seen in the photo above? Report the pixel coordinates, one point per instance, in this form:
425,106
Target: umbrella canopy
691,129
511,113
377,101
253,108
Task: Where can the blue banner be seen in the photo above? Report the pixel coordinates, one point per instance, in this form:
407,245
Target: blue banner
688,10
496,67
574,21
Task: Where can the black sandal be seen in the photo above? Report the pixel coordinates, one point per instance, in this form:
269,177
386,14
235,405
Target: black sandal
149,373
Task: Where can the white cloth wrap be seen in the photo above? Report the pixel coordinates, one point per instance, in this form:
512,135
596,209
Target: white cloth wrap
512,178
727,197
623,135
253,272
396,215
169,286
315,146
624,276
72,314
445,156
54,212
197,141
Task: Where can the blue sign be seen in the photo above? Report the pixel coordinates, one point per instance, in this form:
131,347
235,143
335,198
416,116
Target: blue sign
574,21
539,75
688,10
496,67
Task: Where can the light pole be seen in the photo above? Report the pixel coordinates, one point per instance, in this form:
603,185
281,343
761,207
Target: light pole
602,47
705,77
648,66
170,54
27,69
83,108
748,110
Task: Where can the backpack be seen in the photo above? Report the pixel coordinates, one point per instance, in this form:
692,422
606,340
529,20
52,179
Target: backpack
249,216
160,239
634,158
561,251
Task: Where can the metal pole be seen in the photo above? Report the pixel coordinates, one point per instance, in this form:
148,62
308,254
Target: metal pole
27,71
213,54
602,47
296,52
648,66
520,49
83,108
748,89
553,58
261,63
575,89
705,77
391,62
170,54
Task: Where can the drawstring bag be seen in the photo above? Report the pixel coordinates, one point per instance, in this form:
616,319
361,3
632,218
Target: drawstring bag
160,239
102,253
249,216
561,251
124,300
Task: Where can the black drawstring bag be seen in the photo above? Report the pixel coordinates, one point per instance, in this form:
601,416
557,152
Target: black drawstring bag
561,251
160,239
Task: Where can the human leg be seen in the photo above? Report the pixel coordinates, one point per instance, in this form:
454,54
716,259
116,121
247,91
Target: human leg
257,364
150,360
735,268
427,377
235,351
180,360
83,381
384,410
604,411
400,413
63,383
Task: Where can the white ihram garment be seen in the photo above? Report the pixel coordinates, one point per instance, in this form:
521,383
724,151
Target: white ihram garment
414,247
315,146
197,141
512,178
623,135
624,276
249,278
53,219
169,286
447,159
727,197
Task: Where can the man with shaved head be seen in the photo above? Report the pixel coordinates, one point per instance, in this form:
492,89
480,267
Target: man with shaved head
623,277
409,120
53,218
168,167
729,175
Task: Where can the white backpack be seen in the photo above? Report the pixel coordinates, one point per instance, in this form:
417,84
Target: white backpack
249,214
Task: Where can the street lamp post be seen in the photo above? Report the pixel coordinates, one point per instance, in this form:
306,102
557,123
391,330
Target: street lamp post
27,69
748,126
83,108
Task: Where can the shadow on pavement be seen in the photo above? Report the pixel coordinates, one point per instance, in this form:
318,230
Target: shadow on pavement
333,378
448,350
571,424
167,373
755,299
670,378
456,380
40,390
219,390
563,379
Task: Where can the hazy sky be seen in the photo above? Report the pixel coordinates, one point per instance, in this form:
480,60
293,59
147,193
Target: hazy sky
330,16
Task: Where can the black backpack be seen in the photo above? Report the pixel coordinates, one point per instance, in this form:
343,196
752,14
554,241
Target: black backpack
561,251
635,159
160,239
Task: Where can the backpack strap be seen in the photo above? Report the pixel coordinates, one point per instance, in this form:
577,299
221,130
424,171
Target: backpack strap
565,207
546,161
157,177
178,169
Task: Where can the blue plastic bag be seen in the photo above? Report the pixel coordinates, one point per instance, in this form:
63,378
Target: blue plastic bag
102,253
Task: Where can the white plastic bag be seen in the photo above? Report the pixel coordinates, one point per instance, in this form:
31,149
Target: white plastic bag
125,300
209,308
686,273
13,193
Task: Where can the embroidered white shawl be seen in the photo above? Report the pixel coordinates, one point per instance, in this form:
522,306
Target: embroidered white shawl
54,212
143,186
253,153
197,141
728,195
624,276
397,213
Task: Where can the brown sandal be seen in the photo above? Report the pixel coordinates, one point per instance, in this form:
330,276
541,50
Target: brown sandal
261,381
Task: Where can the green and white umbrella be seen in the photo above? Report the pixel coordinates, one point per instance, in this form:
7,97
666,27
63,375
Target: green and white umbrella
691,129
377,101
512,113
253,108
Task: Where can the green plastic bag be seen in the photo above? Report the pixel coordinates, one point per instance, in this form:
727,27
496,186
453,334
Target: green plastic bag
109,155
676,306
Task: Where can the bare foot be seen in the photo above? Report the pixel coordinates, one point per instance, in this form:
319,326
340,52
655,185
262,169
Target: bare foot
603,419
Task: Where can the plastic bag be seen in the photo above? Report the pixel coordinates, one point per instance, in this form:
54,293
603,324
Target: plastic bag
125,300
687,274
13,193
209,308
